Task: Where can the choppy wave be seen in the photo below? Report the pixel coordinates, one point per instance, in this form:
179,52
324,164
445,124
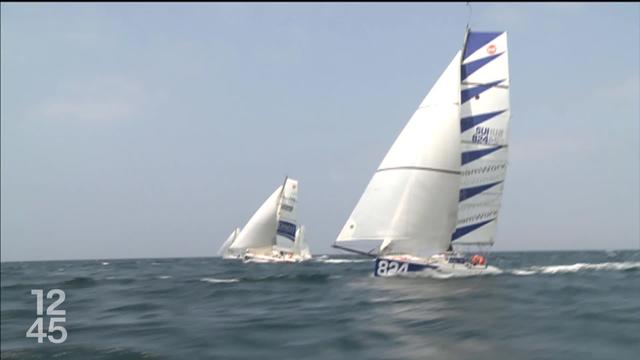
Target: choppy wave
213,308
79,282
560,269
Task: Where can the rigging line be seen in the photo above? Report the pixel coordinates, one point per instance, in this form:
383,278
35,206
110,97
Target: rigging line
369,254
469,15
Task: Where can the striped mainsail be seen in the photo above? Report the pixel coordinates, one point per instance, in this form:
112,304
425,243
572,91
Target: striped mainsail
484,120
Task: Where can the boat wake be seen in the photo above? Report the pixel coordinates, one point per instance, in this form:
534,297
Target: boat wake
341,261
561,269
437,274
533,270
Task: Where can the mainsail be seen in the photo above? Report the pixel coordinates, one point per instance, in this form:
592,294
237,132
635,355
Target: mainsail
410,204
287,210
484,125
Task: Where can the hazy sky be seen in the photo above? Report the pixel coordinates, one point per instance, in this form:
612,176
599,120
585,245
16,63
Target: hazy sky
153,130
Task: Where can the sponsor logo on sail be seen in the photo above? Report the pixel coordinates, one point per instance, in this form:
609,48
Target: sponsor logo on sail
479,217
484,169
487,135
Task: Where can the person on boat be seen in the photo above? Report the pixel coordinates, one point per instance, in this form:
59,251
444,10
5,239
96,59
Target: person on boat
478,260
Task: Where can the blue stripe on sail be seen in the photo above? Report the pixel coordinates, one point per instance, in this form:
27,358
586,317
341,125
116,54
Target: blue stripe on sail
473,191
469,94
287,230
469,156
467,123
476,40
471,67
461,231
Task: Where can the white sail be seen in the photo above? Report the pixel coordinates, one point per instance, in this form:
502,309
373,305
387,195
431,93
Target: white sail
287,210
410,204
225,246
300,247
260,231
484,123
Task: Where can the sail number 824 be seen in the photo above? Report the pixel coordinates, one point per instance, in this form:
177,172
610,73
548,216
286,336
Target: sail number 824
390,268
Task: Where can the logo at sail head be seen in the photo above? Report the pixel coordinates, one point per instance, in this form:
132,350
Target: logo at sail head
491,49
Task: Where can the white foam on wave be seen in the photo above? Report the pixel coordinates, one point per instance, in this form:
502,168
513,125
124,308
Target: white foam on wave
523,272
105,263
560,269
435,274
342,261
217,281
164,277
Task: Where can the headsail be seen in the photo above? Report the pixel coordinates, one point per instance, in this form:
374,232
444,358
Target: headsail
260,229
225,246
484,124
300,246
410,204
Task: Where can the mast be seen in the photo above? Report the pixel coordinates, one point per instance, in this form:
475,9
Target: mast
284,184
464,46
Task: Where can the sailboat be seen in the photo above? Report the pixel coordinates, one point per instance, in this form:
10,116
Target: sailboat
274,222
436,195
228,253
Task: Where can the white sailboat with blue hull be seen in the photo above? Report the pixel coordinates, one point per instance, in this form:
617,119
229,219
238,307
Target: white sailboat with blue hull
439,187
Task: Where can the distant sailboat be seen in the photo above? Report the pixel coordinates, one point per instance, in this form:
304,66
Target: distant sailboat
439,187
228,253
275,219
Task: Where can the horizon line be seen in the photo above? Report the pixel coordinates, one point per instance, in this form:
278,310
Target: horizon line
328,254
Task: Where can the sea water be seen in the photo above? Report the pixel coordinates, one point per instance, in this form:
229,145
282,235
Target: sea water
544,305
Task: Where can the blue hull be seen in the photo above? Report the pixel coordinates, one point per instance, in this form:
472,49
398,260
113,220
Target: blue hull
387,267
